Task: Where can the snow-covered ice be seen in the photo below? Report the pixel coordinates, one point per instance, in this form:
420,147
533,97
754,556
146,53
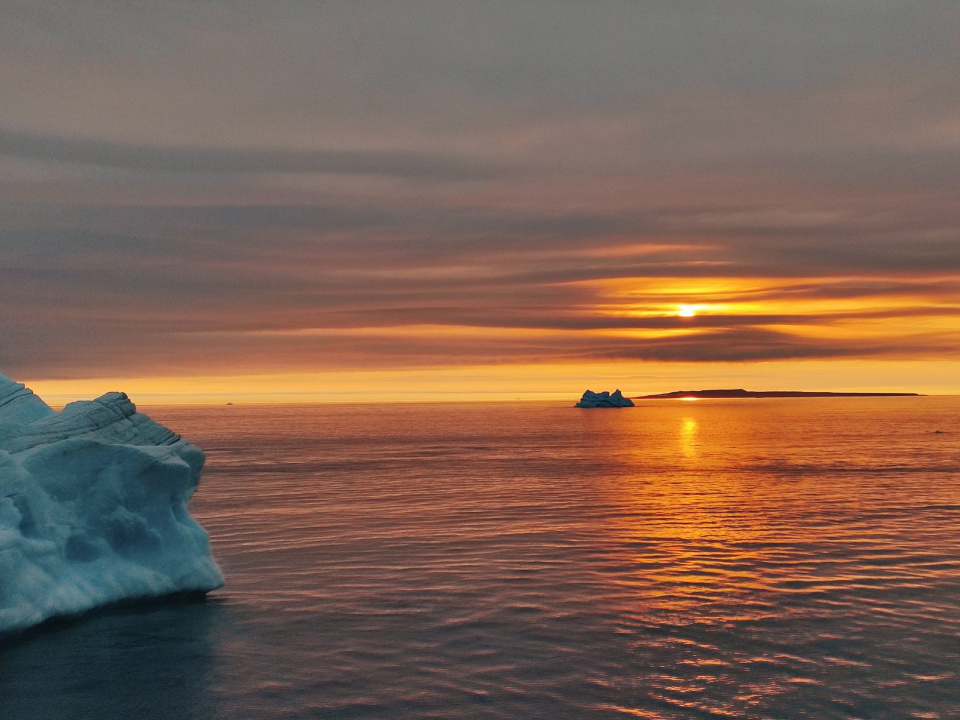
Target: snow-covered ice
591,399
93,508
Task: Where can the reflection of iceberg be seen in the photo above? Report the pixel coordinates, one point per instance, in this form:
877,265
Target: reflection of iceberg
591,399
93,508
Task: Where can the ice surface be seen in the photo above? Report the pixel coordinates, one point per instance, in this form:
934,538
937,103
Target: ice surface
93,508
591,399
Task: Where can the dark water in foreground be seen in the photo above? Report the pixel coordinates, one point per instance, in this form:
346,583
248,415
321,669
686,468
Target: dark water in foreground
790,558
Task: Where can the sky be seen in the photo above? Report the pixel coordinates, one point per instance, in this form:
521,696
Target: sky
478,200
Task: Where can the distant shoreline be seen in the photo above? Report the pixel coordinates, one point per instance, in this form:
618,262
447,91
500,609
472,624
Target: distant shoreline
740,393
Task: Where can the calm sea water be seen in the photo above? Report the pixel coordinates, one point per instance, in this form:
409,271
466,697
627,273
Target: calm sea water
795,558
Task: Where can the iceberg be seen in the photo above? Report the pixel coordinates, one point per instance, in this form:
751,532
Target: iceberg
93,508
603,399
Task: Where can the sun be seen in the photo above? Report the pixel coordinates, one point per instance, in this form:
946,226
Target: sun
687,310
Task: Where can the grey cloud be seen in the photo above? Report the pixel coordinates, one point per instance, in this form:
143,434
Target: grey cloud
859,167
441,73
219,160
74,349
742,345
379,243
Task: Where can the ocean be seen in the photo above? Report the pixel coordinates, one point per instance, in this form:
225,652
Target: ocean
776,558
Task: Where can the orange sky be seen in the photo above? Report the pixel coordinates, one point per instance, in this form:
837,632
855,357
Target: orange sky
560,382
454,203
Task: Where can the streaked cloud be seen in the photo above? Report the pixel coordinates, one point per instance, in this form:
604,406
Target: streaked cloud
206,160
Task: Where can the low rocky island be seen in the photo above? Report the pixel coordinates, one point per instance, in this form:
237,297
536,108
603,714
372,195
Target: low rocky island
604,399
741,393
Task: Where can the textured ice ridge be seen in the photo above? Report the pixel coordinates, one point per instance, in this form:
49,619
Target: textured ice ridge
591,399
93,508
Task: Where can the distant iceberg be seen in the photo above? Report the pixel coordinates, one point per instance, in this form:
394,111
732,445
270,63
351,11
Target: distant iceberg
93,508
603,399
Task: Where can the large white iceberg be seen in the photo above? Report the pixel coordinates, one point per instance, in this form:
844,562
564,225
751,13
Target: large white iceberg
591,399
93,508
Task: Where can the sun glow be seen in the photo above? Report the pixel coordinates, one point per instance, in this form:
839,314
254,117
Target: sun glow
687,311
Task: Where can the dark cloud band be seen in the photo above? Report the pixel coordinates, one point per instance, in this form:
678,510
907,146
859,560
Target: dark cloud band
204,160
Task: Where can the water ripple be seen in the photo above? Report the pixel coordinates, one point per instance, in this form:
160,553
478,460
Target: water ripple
774,559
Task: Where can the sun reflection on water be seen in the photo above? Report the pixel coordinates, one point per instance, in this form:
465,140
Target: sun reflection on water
689,438
681,518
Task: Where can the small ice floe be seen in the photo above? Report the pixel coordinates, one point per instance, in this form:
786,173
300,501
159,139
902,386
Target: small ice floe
93,508
604,399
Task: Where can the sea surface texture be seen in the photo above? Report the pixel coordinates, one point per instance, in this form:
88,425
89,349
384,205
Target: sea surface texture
778,558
